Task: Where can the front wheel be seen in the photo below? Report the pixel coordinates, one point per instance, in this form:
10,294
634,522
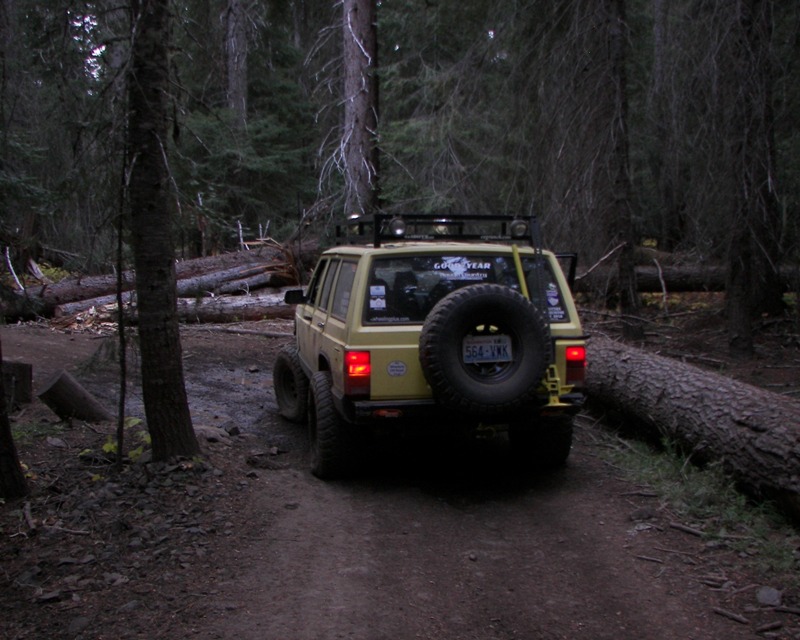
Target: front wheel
332,443
545,443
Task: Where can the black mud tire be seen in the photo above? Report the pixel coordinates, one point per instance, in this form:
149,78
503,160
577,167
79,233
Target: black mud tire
290,384
543,444
331,441
491,389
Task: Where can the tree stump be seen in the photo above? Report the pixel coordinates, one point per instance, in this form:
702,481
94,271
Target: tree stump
17,382
68,399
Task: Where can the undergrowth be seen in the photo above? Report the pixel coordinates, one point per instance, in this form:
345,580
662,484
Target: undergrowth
707,499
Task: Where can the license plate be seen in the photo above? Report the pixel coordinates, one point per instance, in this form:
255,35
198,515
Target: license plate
478,349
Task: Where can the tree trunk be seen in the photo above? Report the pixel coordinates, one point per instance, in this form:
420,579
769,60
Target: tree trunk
359,146
221,283
754,248
754,433
678,279
236,60
12,480
234,308
622,229
166,407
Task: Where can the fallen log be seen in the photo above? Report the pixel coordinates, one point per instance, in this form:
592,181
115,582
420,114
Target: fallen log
43,299
236,280
79,306
754,433
670,279
258,306
263,305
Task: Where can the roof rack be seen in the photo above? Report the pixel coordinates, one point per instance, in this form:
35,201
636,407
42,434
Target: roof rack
380,228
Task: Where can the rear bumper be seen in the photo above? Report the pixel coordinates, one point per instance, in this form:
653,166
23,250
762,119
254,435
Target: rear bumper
418,412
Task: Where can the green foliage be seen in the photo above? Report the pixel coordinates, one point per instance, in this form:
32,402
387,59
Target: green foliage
30,431
227,174
110,446
232,176
490,106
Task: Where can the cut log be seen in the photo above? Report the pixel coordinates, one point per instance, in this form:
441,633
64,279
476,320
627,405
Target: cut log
68,399
259,306
754,433
239,279
43,299
262,305
79,306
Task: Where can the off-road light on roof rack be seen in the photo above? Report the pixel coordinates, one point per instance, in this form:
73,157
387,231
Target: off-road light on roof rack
397,228
518,228
353,227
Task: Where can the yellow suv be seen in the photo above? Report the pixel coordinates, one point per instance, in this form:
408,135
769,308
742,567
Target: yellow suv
420,321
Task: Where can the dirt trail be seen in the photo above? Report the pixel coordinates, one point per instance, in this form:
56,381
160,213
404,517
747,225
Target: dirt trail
465,552
435,540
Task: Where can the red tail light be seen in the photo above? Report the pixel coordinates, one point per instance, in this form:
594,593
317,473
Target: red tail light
576,365
357,373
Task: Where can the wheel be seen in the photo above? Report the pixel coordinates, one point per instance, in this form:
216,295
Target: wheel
290,384
545,443
332,443
484,350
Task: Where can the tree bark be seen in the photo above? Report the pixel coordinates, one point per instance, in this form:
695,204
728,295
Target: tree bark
673,279
622,225
230,281
12,480
234,308
236,60
166,407
359,146
46,298
755,434
754,245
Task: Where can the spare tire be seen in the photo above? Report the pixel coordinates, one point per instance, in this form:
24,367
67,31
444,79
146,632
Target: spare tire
484,350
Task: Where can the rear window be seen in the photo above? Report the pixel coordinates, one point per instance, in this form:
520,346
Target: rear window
404,289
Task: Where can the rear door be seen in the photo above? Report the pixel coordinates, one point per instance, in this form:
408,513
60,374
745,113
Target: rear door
309,318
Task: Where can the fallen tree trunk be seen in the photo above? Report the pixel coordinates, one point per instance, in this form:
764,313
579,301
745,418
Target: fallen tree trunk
753,432
237,280
259,306
43,299
672,279
222,309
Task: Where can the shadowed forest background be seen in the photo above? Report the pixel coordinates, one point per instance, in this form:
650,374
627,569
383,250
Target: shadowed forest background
620,123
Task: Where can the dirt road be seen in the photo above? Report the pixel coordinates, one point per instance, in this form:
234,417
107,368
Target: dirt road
463,550
436,540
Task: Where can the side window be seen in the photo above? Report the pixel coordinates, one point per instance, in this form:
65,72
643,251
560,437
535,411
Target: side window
344,285
540,278
327,285
316,279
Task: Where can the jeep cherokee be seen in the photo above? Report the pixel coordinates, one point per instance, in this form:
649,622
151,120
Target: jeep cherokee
422,321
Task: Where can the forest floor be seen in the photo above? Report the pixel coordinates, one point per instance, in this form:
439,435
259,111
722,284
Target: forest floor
434,540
